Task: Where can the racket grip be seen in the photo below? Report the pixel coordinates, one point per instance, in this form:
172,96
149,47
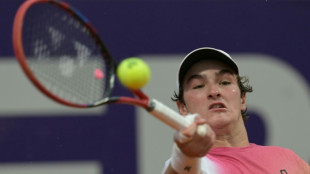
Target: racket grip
167,115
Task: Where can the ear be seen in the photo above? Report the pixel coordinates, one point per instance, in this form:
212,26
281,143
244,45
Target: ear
182,108
243,102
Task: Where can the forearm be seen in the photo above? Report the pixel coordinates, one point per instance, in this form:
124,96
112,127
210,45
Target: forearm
188,160
170,170
180,163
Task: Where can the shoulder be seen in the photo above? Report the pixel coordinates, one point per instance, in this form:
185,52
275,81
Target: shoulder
272,149
277,151
284,157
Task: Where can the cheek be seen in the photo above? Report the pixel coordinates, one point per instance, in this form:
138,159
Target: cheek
235,91
235,94
194,101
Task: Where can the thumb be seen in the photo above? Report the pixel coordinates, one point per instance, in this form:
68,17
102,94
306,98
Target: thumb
186,134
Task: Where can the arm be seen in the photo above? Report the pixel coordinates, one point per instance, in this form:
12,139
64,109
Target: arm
189,148
170,170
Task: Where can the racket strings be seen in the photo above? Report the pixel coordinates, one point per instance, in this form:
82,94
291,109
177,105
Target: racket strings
63,55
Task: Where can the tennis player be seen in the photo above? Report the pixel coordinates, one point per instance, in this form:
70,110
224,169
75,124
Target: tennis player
210,87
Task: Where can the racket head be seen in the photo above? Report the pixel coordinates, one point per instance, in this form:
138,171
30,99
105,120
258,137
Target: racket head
62,54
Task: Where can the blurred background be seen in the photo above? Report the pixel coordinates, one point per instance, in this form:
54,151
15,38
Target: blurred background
270,40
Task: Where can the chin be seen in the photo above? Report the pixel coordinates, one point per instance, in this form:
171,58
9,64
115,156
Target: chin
219,122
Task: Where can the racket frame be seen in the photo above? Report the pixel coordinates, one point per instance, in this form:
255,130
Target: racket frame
154,107
21,57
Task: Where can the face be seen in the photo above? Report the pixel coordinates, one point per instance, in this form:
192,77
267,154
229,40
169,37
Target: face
211,90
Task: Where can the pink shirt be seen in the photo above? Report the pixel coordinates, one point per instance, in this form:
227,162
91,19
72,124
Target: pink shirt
256,159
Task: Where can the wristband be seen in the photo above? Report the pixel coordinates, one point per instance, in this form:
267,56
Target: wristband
183,164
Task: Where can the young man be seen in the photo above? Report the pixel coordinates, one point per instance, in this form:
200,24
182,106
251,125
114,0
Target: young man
210,86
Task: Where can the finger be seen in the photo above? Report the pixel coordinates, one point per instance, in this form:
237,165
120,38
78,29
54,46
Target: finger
190,130
202,144
201,125
198,146
186,134
200,120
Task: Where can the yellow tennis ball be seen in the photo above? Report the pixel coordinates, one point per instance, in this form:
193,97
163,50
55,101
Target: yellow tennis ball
133,73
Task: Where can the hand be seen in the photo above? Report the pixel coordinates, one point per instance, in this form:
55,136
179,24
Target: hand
194,144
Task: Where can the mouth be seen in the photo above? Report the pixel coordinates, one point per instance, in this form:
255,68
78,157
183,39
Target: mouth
214,106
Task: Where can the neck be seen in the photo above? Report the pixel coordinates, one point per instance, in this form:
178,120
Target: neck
236,137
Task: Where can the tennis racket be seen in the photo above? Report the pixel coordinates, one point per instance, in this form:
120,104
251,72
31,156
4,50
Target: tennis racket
62,54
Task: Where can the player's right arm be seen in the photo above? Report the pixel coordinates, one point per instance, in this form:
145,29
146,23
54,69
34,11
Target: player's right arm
170,170
186,156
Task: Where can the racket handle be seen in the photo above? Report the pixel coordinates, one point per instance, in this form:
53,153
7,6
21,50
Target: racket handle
172,118
167,115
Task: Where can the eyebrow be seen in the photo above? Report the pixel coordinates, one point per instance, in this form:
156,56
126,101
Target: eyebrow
194,76
200,77
224,71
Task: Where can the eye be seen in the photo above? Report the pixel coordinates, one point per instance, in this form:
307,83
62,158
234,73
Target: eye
198,86
225,82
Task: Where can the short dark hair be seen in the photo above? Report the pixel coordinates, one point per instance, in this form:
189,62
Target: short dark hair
244,86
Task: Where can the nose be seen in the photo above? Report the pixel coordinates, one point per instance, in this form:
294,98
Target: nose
213,92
